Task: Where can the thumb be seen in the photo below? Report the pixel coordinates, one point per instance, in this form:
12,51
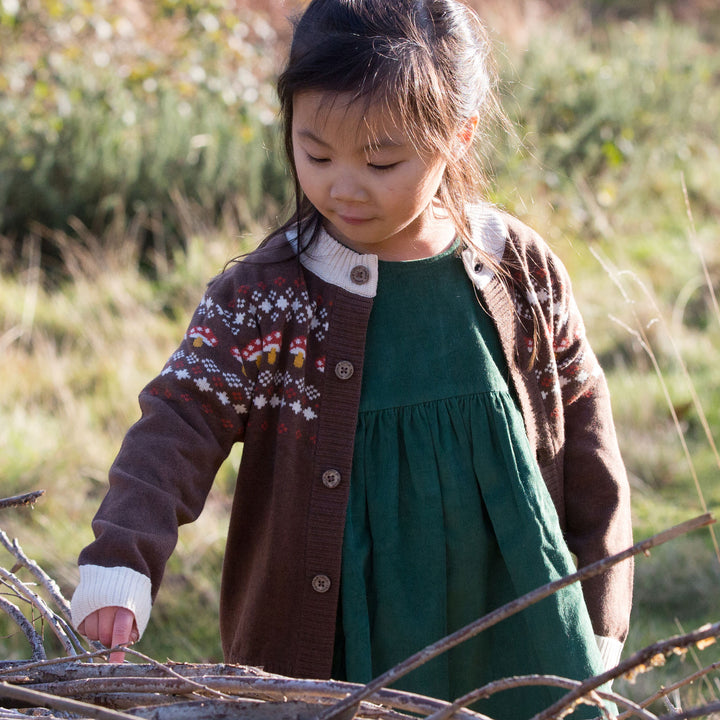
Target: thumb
124,632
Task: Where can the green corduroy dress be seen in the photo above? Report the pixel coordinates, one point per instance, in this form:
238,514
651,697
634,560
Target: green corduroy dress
448,516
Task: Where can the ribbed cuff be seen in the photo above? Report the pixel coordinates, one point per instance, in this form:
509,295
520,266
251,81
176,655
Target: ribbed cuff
101,587
610,650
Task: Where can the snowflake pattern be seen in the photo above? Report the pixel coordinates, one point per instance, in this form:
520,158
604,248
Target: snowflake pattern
560,377
255,379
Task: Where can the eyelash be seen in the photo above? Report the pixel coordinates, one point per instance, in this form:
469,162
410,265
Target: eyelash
379,168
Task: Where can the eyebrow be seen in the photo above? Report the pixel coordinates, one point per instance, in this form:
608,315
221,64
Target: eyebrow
381,144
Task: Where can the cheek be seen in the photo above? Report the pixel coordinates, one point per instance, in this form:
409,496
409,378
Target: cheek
306,177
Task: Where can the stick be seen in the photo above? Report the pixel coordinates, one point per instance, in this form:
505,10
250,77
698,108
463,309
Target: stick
23,592
641,661
18,500
543,680
32,635
50,701
40,575
272,687
511,608
666,690
698,712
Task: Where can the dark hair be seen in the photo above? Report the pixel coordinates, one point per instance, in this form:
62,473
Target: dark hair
427,62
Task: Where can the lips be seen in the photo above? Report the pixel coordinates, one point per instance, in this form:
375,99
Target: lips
349,220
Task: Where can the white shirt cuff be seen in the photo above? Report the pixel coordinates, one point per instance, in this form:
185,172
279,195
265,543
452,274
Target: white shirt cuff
101,587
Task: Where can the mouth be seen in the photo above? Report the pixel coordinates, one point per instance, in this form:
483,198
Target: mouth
350,220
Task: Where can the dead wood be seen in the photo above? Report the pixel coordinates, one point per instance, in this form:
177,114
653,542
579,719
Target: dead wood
74,686
20,500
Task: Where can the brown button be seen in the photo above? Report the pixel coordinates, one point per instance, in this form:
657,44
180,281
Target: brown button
344,370
331,478
321,583
359,274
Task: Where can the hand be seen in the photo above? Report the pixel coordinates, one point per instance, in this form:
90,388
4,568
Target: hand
111,626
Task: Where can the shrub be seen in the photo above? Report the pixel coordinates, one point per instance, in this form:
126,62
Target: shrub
101,114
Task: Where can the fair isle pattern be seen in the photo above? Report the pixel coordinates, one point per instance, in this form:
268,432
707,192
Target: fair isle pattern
231,352
571,372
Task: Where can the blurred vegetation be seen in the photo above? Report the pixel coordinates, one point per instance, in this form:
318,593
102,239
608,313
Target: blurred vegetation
112,108
128,126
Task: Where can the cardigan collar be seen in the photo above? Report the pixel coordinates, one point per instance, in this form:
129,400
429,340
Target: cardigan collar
357,273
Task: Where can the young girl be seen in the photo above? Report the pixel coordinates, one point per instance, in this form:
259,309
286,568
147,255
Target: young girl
427,434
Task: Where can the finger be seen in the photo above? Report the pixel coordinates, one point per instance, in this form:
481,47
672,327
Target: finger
117,657
106,620
122,633
89,626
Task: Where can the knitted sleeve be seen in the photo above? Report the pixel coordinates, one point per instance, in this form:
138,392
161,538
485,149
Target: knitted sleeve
596,490
192,413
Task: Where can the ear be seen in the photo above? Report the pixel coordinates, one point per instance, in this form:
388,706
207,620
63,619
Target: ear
467,132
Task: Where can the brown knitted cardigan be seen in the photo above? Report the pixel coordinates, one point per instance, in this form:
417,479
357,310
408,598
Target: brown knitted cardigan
273,358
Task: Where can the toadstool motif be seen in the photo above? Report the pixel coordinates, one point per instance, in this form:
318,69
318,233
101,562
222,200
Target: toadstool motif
202,335
252,352
271,345
297,348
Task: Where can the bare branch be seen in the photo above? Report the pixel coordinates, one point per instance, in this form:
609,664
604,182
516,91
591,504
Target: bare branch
542,680
166,669
639,662
698,712
56,623
667,690
32,635
129,685
57,703
40,575
20,500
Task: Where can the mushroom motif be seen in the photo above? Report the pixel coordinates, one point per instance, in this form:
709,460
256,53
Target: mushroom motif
252,352
271,345
202,335
297,348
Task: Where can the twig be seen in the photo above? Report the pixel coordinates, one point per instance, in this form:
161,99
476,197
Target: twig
22,666
698,712
240,682
511,608
56,623
641,661
166,669
667,690
40,575
32,635
19,500
57,703
697,662
543,680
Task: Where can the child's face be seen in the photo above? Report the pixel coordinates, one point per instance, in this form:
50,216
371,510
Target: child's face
362,173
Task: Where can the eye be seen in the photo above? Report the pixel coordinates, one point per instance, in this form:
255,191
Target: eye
317,160
383,168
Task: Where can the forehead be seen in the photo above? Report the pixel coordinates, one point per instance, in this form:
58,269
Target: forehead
348,118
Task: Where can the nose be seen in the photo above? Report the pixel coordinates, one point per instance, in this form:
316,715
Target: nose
346,187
